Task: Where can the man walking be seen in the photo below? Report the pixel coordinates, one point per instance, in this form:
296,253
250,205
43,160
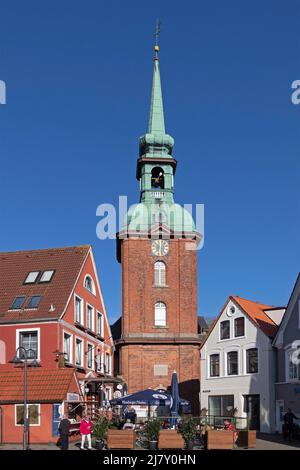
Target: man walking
64,428
288,425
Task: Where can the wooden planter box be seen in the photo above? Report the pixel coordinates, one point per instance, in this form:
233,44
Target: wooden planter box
170,439
246,439
220,439
121,439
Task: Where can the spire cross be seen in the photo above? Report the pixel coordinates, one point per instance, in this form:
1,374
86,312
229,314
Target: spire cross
157,31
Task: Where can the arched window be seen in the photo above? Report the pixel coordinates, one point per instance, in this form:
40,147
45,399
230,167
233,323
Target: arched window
89,284
157,178
160,273
160,314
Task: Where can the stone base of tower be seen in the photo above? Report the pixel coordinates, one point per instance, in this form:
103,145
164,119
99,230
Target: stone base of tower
151,366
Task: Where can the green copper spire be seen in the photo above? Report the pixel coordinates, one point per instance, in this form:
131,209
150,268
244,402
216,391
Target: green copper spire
156,143
155,172
156,117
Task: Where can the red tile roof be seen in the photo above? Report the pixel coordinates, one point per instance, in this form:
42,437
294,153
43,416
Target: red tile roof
15,266
43,385
255,311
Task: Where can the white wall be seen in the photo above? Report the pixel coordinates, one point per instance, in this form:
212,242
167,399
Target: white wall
261,383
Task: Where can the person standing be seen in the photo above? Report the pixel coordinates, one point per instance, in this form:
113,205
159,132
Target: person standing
288,425
64,429
86,431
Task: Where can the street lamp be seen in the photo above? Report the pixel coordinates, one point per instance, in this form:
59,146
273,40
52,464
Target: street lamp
34,363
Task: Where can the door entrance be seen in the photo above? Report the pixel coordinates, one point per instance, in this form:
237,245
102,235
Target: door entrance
252,408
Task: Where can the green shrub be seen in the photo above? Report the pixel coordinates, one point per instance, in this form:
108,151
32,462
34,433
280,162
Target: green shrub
152,429
188,428
100,428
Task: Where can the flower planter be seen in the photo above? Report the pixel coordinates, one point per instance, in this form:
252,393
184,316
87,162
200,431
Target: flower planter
152,445
99,445
189,445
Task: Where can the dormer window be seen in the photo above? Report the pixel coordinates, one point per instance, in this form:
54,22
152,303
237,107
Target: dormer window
89,284
32,277
34,301
18,302
47,276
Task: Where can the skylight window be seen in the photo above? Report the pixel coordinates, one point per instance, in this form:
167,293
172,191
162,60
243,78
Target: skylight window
34,301
32,277
47,276
18,302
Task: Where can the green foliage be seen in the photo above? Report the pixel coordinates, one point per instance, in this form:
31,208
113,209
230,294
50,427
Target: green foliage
188,428
152,429
100,428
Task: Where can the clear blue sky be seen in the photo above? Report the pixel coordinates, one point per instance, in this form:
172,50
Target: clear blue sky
78,78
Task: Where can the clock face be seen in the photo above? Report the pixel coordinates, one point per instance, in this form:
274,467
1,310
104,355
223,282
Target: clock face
160,247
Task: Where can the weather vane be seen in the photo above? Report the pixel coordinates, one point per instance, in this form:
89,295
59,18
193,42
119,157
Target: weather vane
157,31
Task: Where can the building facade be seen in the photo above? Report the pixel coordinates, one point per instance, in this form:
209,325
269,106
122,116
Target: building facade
238,364
157,250
51,304
287,343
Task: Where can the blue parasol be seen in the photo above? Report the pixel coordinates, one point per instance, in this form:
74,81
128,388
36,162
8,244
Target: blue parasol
175,399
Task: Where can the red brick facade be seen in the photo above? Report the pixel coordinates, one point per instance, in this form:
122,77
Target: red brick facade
144,345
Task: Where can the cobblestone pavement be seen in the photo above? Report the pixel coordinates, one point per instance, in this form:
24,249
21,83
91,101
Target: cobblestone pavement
264,442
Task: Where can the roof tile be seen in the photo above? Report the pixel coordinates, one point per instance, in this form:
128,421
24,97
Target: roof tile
15,266
42,385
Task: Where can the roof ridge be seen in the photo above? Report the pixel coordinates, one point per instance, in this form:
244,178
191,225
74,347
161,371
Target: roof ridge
258,302
87,246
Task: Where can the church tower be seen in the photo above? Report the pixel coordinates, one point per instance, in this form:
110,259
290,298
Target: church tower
157,250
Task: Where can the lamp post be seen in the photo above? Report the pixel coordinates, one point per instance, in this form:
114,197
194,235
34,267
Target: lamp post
17,360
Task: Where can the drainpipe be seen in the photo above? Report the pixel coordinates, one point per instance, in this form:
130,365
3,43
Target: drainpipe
0,424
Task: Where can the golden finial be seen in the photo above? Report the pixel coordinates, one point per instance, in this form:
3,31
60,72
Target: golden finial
157,31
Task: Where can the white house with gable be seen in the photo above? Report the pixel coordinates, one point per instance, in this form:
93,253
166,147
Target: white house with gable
238,364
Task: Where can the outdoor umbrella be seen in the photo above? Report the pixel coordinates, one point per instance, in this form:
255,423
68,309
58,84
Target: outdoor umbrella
145,397
175,399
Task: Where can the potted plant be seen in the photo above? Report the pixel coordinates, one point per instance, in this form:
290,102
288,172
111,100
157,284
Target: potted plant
188,429
100,428
152,431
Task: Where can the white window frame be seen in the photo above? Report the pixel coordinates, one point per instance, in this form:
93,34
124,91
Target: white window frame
158,322
213,353
71,346
28,404
226,352
87,356
102,324
288,353
99,356
161,282
107,395
245,361
107,354
81,309
77,338
230,329
92,327
93,291
26,330
233,327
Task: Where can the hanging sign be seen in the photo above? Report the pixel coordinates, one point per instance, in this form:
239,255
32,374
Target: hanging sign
72,397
